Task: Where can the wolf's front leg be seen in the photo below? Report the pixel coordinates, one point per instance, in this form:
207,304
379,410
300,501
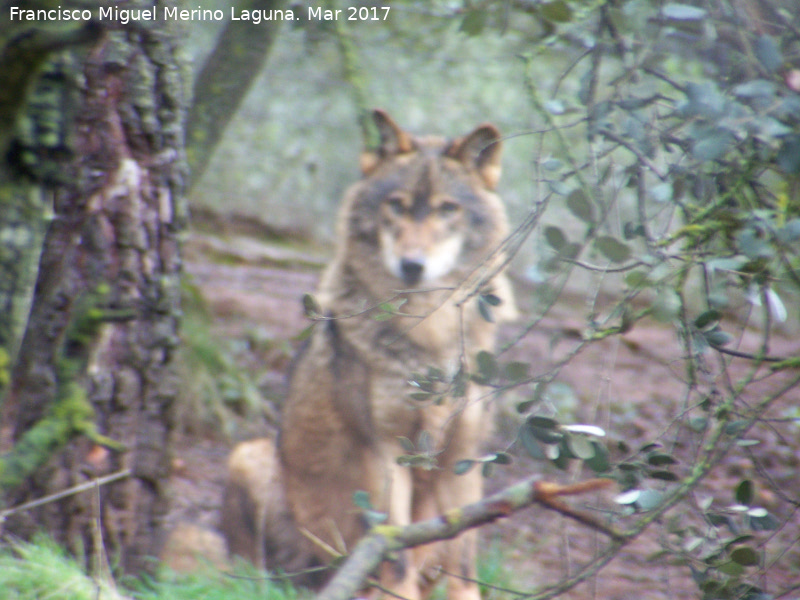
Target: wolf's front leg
399,575
458,556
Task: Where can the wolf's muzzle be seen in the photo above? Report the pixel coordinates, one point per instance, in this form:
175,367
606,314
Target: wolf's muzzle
411,271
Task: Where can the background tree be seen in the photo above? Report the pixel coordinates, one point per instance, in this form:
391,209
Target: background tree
91,116
99,143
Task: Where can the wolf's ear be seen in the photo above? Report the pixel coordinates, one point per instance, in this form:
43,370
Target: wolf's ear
393,140
480,150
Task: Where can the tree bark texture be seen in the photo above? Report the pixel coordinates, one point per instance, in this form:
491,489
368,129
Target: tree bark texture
98,398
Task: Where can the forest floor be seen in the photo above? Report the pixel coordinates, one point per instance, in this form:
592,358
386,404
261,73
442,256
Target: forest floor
632,386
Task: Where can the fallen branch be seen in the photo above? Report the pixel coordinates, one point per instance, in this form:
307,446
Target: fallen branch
385,539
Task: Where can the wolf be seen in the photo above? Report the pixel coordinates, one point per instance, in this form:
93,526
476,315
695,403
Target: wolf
419,248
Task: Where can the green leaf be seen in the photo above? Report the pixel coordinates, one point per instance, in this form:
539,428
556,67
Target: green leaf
516,371
747,443
491,299
704,100
713,144
698,424
648,500
613,249
659,459
634,103
767,52
764,523
585,429
753,243
790,232
637,279
530,444
555,237
580,447
310,306
361,500
425,441
788,158
682,12
543,429
745,556
755,88
631,230
599,463
499,458
557,11
731,569
304,334
570,250
406,444
474,22
463,466
375,517
485,310
487,365
629,497
735,427
554,107
707,318
552,164
559,187
662,475
560,455
661,192
485,304
744,492
580,206
718,338
649,447
459,389
543,422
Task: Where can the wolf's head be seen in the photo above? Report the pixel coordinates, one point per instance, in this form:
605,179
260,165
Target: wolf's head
424,214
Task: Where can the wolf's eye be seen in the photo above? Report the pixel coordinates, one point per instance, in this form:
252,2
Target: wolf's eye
396,205
449,207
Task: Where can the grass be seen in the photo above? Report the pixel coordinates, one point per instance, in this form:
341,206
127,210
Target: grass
41,570
215,389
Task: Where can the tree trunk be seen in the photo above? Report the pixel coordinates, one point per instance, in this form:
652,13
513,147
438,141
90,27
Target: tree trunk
225,79
92,388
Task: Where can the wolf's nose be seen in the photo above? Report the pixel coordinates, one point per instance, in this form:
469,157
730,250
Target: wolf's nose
411,270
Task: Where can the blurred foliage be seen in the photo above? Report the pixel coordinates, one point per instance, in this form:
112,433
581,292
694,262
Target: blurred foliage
671,144
653,151
218,393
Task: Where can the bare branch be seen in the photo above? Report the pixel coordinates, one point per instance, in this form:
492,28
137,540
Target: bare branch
384,539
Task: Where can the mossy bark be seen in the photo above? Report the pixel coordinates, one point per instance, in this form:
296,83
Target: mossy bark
107,151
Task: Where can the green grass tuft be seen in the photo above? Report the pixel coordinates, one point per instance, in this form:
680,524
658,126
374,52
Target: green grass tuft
41,570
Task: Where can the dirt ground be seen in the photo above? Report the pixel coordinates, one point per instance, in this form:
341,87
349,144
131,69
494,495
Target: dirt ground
632,386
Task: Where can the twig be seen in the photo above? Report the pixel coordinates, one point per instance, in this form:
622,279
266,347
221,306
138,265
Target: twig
385,539
638,153
94,483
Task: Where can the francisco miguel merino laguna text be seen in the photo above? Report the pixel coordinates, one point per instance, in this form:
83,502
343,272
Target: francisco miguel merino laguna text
125,15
